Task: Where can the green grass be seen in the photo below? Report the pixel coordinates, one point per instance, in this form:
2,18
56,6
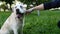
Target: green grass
3,17
46,23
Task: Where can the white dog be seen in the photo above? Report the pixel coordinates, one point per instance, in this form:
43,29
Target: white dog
14,22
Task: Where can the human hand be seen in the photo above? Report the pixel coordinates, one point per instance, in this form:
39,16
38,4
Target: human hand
29,10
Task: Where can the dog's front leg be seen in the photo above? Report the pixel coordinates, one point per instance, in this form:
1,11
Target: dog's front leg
15,31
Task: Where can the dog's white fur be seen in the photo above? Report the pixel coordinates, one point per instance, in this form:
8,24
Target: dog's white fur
12,24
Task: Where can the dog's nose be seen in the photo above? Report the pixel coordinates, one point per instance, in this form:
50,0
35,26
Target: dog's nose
17,11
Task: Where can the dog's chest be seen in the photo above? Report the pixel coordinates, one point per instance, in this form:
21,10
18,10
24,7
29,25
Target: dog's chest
16,22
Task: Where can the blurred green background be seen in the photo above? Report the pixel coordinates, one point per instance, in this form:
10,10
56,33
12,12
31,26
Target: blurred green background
46,23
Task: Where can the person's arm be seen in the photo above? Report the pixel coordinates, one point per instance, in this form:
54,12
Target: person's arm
45,6
39,7
53,4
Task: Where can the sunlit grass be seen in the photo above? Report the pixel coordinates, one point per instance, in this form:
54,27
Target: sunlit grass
46,23
3,17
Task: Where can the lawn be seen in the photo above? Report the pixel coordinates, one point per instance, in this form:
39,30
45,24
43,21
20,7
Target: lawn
46,23
3,17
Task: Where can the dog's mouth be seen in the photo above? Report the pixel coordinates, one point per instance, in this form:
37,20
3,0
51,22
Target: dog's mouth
19,14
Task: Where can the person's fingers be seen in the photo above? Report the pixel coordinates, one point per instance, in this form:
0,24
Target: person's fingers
27,12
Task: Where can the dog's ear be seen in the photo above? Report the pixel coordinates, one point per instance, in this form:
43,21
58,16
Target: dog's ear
13,9
58,24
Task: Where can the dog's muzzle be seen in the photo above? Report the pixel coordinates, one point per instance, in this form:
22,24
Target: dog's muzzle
18,13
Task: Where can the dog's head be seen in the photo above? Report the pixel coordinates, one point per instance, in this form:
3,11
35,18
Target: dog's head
20,9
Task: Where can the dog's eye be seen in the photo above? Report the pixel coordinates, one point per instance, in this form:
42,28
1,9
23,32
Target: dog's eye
21,7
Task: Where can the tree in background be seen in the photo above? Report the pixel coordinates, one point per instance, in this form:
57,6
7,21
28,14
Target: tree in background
34,2
28,2
3,6
8,1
